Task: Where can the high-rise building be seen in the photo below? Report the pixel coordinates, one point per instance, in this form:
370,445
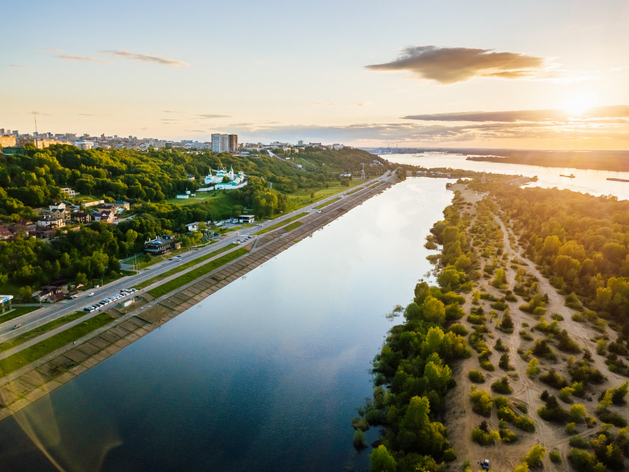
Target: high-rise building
233,143
224,143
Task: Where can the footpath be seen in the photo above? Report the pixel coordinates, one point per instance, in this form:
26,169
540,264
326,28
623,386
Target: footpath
35,380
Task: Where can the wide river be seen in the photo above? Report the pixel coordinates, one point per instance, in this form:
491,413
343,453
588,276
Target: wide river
264,375
587,181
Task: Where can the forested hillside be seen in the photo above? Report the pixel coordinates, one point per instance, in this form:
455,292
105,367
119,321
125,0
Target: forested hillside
145,179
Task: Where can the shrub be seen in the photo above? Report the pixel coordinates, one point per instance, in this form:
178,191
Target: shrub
449,455
476,376
481,401
601,347
565,394
507,324
483,438
583,461
533,369
360,423
504,362
542,349
508,436
553,379
571,428
459,329
582,372
502,386
566,344
499,346
359,440
487,366
553,412
578,317
535,456
555,457
612,418
499,305
578,413
578,441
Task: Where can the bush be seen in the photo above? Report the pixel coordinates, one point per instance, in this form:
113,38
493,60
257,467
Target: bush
542,349
553,412
508,436
578,441
612,418
553,379
476,376
485,439
582,372
481,401
535,456
533,369
487,366
360,423
583,461
504,362
459,329
499,305
359,440
507,324
499,346
502,386
555,457
578,413
449,455
571,428
525,335
566,344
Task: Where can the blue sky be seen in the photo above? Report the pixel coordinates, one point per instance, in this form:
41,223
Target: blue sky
297,70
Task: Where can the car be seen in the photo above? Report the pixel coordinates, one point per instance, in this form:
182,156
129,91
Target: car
134,290
91,294
89,308
74,296
17,326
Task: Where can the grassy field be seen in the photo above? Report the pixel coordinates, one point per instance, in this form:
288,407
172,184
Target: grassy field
195,274
39,350
302,198
323,205
17,311
293,226
22,338
218,198
281,223
179,268
354,191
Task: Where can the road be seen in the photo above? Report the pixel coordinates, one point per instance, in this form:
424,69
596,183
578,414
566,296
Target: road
49,312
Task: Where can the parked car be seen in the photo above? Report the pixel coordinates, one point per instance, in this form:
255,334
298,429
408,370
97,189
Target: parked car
74,296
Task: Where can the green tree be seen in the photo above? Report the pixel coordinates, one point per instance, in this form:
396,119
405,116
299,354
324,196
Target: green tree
433,310
381,460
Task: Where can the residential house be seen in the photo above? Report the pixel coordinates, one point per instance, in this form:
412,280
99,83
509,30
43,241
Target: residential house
246,219
49,221
61,215
106,216
81,217
69,192
5,234
57,206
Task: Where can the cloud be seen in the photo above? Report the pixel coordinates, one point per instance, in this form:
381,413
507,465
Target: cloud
553,115
211,117
323,104
78,58
16,65
144,57
171,111
94,114
450,65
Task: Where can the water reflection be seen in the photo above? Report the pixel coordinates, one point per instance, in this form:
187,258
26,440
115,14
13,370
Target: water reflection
587,181
263,375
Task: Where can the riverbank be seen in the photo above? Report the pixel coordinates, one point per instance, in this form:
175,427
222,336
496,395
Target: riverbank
36,380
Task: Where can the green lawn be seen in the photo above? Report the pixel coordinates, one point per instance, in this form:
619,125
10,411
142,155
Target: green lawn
281,223
179,268
323,205
33,333
196,273
39,350
293,226
17,311
302,198
354,191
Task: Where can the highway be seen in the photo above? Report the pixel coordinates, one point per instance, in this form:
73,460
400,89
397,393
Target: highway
50,312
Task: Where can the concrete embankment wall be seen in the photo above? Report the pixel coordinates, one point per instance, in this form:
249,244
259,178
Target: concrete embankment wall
32,382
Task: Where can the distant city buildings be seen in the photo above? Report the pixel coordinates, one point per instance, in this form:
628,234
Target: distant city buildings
225,143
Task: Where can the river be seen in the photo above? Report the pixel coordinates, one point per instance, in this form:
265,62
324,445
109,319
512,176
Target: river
264,375
586,181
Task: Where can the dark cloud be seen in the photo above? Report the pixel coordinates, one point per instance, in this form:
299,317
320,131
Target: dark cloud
144,58
450,65
618,111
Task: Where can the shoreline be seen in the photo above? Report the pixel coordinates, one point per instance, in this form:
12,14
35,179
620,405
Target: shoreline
29,383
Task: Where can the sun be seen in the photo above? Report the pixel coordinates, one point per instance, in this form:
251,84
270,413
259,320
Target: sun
578,104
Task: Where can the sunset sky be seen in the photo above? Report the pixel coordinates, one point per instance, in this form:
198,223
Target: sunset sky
536,74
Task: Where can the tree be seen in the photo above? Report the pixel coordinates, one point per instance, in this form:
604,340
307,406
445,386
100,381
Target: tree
532,369
381,460
433,310
535,456
25,293
81,279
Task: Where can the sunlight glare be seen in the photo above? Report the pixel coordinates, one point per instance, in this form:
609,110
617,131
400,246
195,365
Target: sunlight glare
577,104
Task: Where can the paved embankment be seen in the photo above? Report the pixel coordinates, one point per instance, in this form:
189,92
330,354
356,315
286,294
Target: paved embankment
39,378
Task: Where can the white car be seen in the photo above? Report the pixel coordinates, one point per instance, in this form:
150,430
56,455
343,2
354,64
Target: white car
91,294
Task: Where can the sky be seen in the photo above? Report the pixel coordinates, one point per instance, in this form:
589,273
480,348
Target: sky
550,74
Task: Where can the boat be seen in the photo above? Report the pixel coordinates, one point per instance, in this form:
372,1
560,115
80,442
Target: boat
571,176
613,179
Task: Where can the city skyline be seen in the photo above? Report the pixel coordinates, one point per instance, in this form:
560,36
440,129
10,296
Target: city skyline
414,74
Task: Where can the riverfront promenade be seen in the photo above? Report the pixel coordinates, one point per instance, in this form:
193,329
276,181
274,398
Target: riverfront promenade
37,379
